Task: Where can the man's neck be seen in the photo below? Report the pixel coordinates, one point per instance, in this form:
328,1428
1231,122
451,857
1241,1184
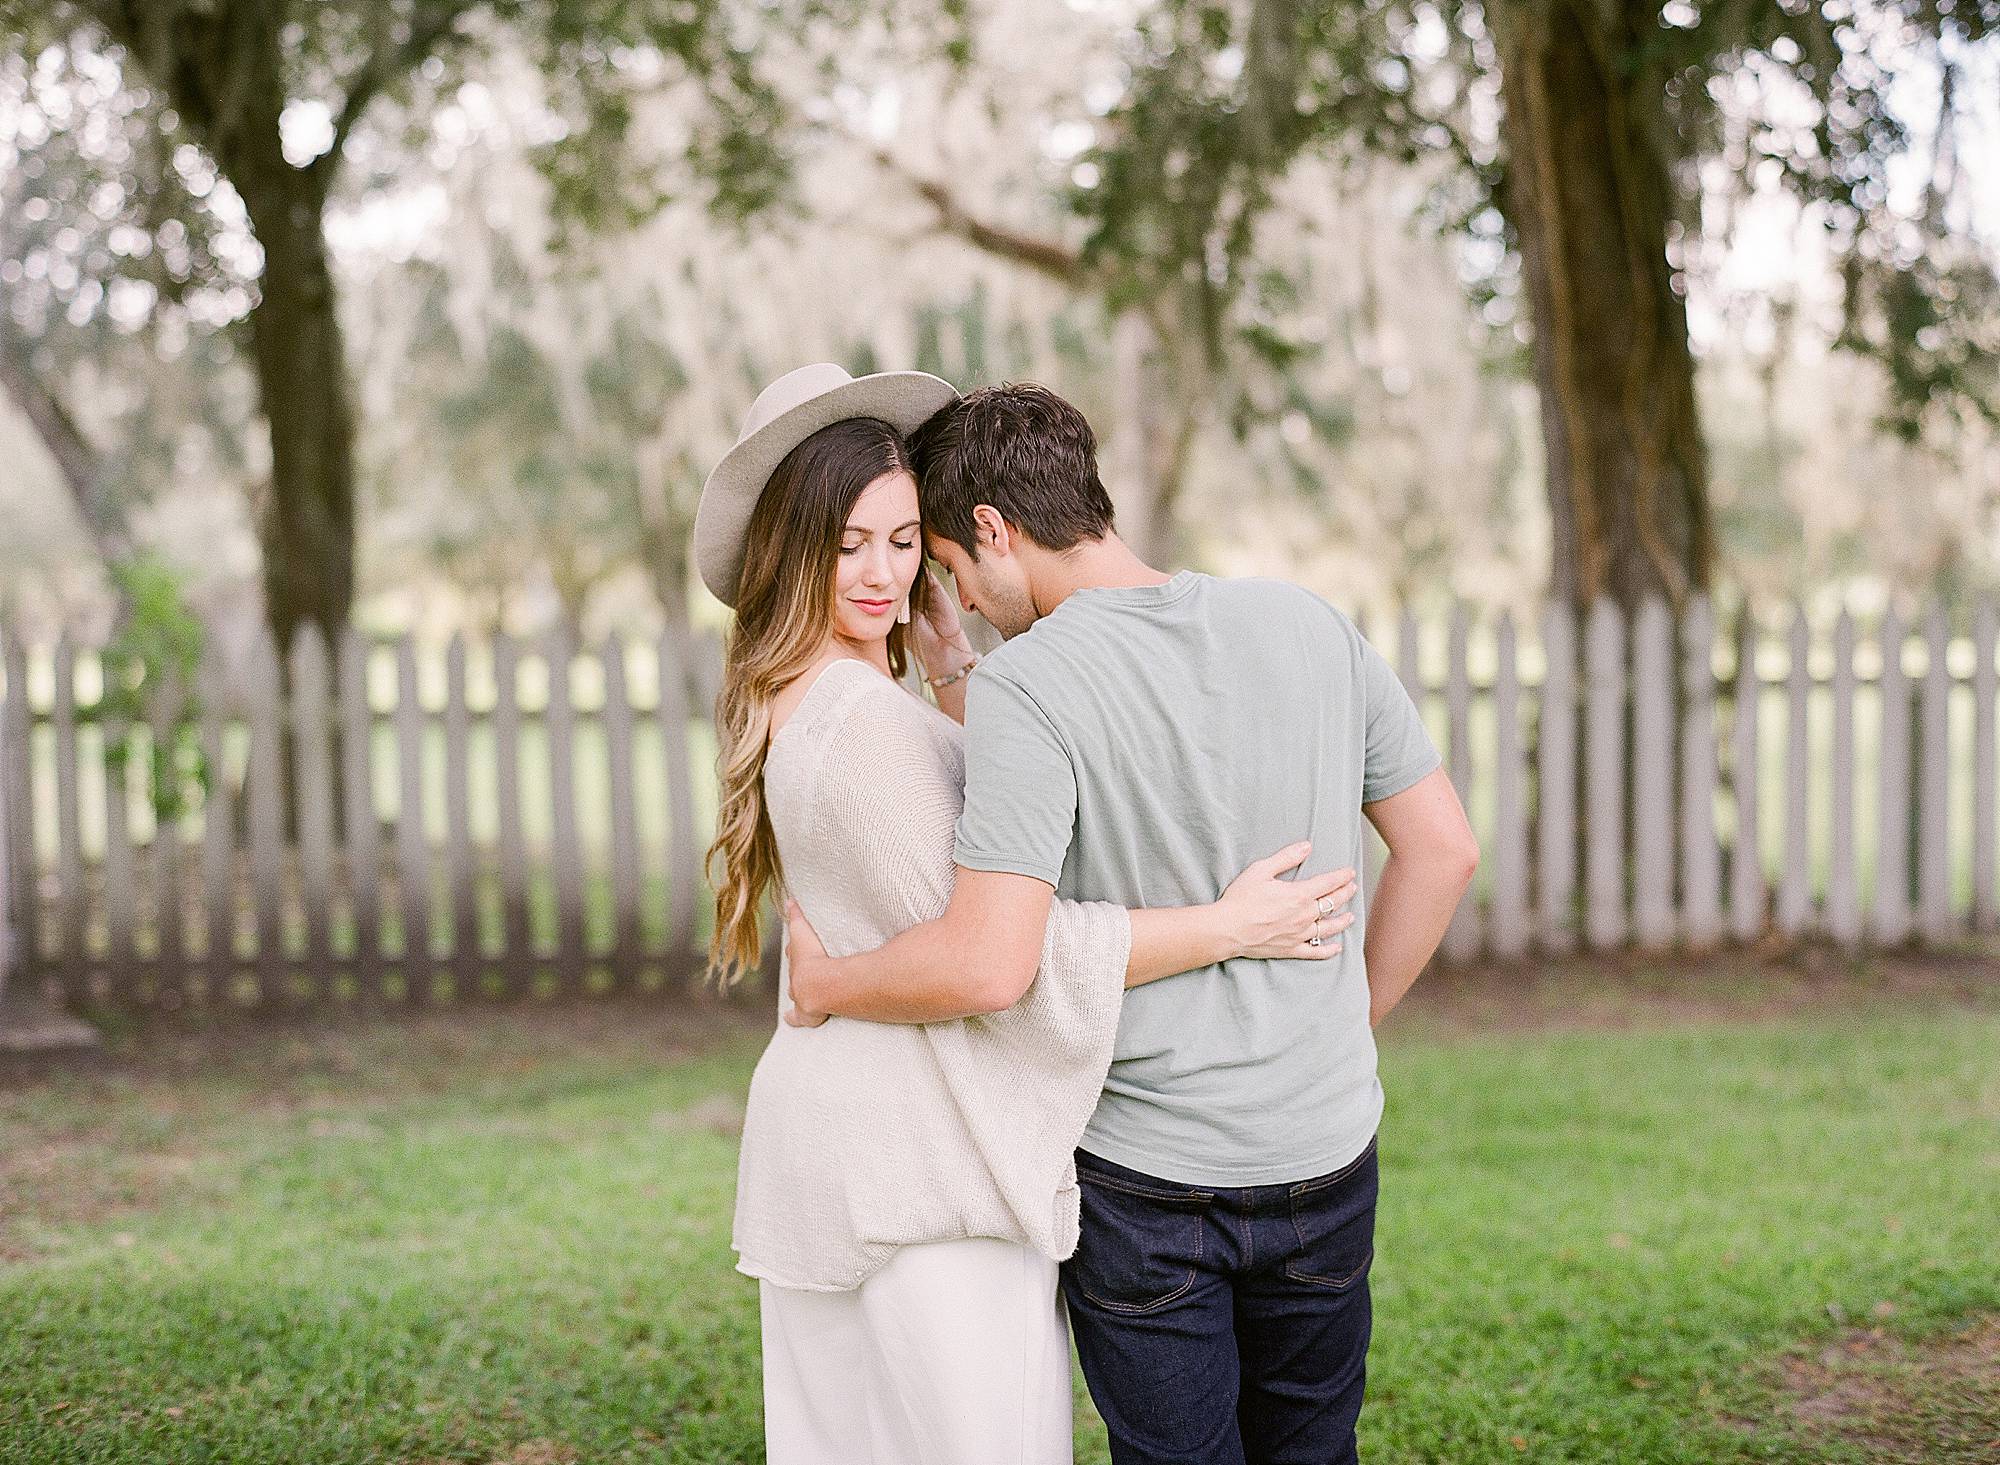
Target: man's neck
1096,564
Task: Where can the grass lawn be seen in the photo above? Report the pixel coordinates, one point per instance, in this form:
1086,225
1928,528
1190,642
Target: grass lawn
1737,1211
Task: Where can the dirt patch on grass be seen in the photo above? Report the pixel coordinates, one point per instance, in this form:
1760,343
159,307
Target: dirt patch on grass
1624,992
399,1051
1935,1401
135,1128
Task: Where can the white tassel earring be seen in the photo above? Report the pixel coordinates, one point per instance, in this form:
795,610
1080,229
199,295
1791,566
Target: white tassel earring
903,614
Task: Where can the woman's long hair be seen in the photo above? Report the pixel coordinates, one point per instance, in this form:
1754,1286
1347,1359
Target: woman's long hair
784,612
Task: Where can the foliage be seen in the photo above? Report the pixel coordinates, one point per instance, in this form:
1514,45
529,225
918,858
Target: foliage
1223,97
154,652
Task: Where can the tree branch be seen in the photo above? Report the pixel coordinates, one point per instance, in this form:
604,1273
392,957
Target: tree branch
1045,256
429,29
75,459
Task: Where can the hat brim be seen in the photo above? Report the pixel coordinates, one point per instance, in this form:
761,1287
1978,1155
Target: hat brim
903,399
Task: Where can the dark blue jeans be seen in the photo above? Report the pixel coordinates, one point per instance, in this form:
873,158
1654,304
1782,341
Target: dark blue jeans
1224,1325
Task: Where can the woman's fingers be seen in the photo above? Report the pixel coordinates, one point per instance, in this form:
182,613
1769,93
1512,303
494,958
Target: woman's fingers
1339,885
1271,866
1321,952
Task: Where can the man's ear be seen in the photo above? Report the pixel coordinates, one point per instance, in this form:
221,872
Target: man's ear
990,530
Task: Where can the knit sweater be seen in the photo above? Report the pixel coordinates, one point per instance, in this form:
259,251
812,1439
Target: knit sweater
860,1137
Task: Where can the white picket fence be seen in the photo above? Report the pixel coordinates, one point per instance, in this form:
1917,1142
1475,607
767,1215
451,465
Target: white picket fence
1650,787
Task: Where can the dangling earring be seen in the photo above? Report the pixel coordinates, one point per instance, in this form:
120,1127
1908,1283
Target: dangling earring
903,615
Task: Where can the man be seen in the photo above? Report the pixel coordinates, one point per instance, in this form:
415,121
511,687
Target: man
1139,738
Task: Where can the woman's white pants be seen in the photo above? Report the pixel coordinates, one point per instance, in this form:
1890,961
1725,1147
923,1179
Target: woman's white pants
953,1353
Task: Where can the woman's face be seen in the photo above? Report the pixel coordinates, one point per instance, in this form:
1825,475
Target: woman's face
881,553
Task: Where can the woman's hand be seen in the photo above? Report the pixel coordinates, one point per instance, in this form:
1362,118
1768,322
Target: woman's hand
803,953
1271,918
942,644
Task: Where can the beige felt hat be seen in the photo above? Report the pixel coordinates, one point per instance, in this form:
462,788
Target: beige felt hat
786,413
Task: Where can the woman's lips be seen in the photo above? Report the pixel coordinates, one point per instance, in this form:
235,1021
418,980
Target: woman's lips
875,607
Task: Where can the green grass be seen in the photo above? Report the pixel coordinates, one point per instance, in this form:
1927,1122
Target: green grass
505,1235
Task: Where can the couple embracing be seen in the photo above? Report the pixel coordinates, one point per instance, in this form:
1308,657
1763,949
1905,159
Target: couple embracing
1076,1035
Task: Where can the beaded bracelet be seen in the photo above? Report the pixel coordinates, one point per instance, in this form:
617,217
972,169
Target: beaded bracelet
960,674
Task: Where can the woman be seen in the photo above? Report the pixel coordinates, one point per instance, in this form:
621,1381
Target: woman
904,1192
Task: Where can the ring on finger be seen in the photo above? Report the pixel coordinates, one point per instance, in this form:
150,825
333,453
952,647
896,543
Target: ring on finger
1325,905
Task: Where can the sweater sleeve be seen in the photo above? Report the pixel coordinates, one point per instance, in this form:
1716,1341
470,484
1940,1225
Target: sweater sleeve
1028,1079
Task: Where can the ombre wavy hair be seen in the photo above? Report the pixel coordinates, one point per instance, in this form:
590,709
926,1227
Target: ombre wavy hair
785,610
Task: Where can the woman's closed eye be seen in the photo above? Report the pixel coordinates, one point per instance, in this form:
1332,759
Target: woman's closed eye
893,544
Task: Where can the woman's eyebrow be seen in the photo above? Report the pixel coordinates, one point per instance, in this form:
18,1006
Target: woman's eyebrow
864,533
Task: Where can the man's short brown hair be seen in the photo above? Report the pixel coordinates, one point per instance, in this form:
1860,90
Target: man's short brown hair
1020,448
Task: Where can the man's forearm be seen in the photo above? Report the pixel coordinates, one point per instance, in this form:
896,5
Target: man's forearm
1407,916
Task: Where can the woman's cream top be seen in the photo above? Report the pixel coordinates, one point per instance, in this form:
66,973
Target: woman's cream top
861,1137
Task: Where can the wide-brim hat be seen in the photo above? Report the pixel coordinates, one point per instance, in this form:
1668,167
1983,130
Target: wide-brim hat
786,413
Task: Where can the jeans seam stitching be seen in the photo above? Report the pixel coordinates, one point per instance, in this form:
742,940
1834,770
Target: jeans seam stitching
1307,1187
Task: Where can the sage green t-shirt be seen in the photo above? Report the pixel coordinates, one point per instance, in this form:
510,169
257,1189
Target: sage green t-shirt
1142,745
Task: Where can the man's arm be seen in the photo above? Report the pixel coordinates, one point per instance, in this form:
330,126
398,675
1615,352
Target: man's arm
1432,855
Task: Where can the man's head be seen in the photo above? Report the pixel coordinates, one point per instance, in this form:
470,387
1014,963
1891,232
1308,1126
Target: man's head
1008,476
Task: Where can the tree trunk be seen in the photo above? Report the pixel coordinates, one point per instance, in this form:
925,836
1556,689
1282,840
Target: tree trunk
305,521
1145,456
222,65
1589,194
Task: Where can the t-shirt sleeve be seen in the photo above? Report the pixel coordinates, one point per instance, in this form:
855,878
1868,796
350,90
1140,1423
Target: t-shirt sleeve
1020,786
1398,750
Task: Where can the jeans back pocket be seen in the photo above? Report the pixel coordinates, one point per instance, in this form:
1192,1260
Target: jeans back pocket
1334,1216
1140,1245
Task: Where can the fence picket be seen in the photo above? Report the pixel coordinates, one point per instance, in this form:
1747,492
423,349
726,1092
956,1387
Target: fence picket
413,847
623,815
460,868
360,827
1555,784
70,928
264,798
1985,796
1604,776
1747,899
20,890
1509,929
565,848
312,765
120,909
1889,919
218,841
1935,917
1653,776
1461,938
517,935
1701,850
166,714
1794,906
683,847
1843,897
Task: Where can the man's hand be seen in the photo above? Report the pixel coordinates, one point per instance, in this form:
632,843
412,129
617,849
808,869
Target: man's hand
803,953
